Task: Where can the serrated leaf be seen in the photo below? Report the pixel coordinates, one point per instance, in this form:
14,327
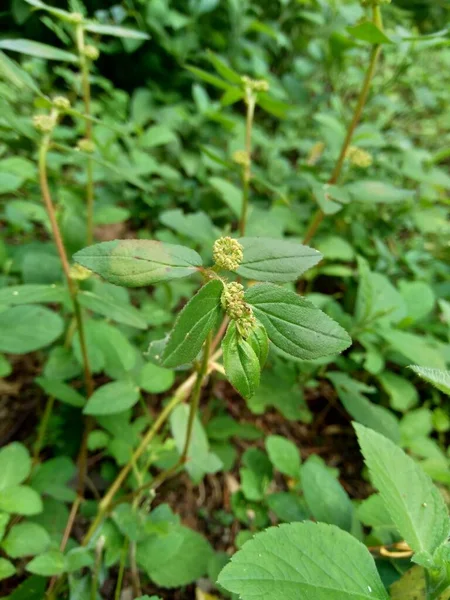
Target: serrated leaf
241,363
135,263
295,326
110,308
277,261
21,500
326,498
259,342
193,324
26,539
38,50
284,455
15,465
363,410
369,32
116,31
414,503
303,560
112,398
437,377
28,328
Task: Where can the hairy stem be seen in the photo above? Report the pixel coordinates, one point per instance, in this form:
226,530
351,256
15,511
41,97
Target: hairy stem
86,89
360,104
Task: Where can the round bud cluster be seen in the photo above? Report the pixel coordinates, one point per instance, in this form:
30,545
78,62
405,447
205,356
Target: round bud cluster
237,309
86,145
359,158
91,52
44,123
76,17
227,253
61,103
79,273
241,157
255,85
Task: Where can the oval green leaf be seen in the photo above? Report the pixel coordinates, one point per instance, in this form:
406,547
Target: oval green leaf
241,363
112,398
28,328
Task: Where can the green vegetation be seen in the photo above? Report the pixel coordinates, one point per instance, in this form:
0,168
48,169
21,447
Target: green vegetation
224,300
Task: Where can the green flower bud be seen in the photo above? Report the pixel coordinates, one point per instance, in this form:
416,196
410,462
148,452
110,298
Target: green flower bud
91,52
86,145
358,157
227,253
241,157
76,17
237,309
255,85
44,123
61,103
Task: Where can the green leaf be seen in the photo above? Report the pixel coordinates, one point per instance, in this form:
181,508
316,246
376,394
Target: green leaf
12,72
326,498
30,294
48,564
259,342
377,192
7,569
64,15
365,297
231,195
208,77
419,299
256,474
284,455
197,226
199,460
275,107
413,347
361,409
223,69
136,263
241,363
437,377
303,560
116,31
21,500
26,539
61,391
52,476
277,261
369,32
155,379
32,588
15,465
296,327
200,315
38,50
411,586
110,308
10,182
112,398
414,503
28,328
78,558
402,393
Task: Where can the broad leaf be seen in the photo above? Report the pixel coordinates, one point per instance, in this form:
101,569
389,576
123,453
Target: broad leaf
28,328
284,455
414,503
193,324
110,308
199,459
112,398
38,50
278,261
295,326
369,32
414,347
15,465
21,500
326,498
363,410
116,31
259,341
303,560
61,391
155,379
402,393
136,263
231,195
48,564
26,539
241,363
377,192
29,294
437,377
7,569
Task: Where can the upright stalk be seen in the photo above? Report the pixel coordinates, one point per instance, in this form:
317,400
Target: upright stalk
250,102
360,104
86,90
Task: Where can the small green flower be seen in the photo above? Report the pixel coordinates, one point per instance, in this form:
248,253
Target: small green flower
227,253
91,52
86,145
44,123
358,157
61,103
241,157
237,309
255,85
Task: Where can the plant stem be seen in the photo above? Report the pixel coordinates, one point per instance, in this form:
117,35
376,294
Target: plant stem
86,89
43,426
121,572
360,104
250,101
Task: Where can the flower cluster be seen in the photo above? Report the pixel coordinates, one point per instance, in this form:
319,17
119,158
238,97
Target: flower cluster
255,85
227,253
359,158
237,309
241,157
61,103
44,123
91,52
86,145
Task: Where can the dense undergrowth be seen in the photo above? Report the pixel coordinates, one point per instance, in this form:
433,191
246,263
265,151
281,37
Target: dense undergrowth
277,173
